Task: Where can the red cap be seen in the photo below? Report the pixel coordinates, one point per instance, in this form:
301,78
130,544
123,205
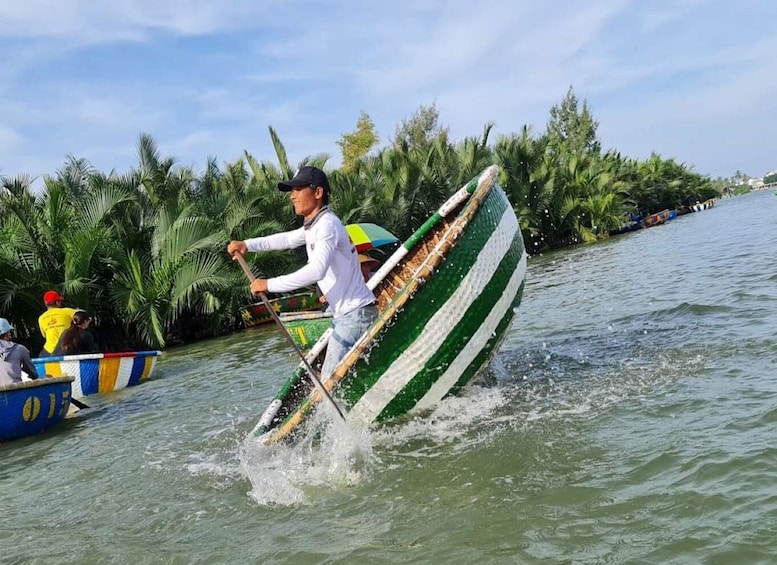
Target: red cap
52,297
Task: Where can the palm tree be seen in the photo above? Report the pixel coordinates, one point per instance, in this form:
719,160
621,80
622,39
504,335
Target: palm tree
33,230
404,185
474,155
160,180
527,177
603,200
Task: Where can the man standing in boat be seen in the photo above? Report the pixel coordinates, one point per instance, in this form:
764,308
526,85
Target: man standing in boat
332,262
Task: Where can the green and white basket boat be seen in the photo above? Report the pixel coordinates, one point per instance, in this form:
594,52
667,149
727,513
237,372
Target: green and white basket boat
445,300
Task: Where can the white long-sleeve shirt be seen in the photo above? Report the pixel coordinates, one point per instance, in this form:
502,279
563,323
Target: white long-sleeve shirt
332,263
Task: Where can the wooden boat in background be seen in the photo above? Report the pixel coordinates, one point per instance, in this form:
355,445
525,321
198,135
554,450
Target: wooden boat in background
636,222
256,313
96,373
445,300
656,219
32,407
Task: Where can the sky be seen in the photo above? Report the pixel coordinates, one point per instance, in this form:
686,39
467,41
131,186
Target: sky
693,80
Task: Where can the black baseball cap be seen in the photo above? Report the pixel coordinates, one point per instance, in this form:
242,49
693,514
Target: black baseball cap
306,176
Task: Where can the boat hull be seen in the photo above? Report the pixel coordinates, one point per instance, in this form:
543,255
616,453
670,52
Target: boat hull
256,313
96,373
32,407
656,219
698,207
450,328
306,328
438,327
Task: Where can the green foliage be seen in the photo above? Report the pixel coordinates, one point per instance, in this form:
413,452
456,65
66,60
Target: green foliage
145,252
573,128
769,179
358,143
742,189
420,129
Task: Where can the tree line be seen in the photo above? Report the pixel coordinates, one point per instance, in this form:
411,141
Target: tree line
144,251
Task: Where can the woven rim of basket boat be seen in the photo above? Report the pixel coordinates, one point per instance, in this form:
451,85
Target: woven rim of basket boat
402,282
42,381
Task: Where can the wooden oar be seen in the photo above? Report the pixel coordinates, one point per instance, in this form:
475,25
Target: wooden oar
78,404
310,371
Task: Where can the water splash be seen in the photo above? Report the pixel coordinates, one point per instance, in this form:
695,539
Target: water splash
327,453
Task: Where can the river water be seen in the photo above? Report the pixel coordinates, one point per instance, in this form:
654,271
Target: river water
629,417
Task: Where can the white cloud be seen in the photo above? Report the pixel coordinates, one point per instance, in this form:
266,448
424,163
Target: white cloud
205,78
655,16
108,21
718,127
9,139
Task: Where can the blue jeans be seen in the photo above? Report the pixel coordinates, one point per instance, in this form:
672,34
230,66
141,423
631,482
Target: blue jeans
346,331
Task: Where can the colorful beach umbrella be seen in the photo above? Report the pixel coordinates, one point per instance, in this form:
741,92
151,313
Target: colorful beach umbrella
366,236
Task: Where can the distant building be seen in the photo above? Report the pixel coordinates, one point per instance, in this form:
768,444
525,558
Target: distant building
756,183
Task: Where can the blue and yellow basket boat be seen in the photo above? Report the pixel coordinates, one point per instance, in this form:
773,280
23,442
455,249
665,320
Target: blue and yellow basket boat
32,407
96,373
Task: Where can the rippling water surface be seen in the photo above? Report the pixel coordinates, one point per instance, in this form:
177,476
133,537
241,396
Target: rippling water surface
629,417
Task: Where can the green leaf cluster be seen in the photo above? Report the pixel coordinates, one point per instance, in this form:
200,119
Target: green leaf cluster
144,251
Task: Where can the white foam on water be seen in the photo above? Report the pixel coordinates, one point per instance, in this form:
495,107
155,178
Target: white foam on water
585,390
219,468
330,454
339,456
456,422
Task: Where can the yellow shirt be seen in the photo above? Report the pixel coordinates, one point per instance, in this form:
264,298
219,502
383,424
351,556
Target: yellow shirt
52,323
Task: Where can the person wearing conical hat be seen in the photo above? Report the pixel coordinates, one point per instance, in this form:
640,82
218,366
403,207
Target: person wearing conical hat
53,321
368,266
14,357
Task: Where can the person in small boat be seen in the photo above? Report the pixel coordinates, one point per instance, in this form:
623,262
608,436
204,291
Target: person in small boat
332,262
53,321
368,266
13,357
76,339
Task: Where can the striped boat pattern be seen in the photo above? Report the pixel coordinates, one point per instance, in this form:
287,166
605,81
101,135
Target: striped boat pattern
305,328
698,207
97,373
444,335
